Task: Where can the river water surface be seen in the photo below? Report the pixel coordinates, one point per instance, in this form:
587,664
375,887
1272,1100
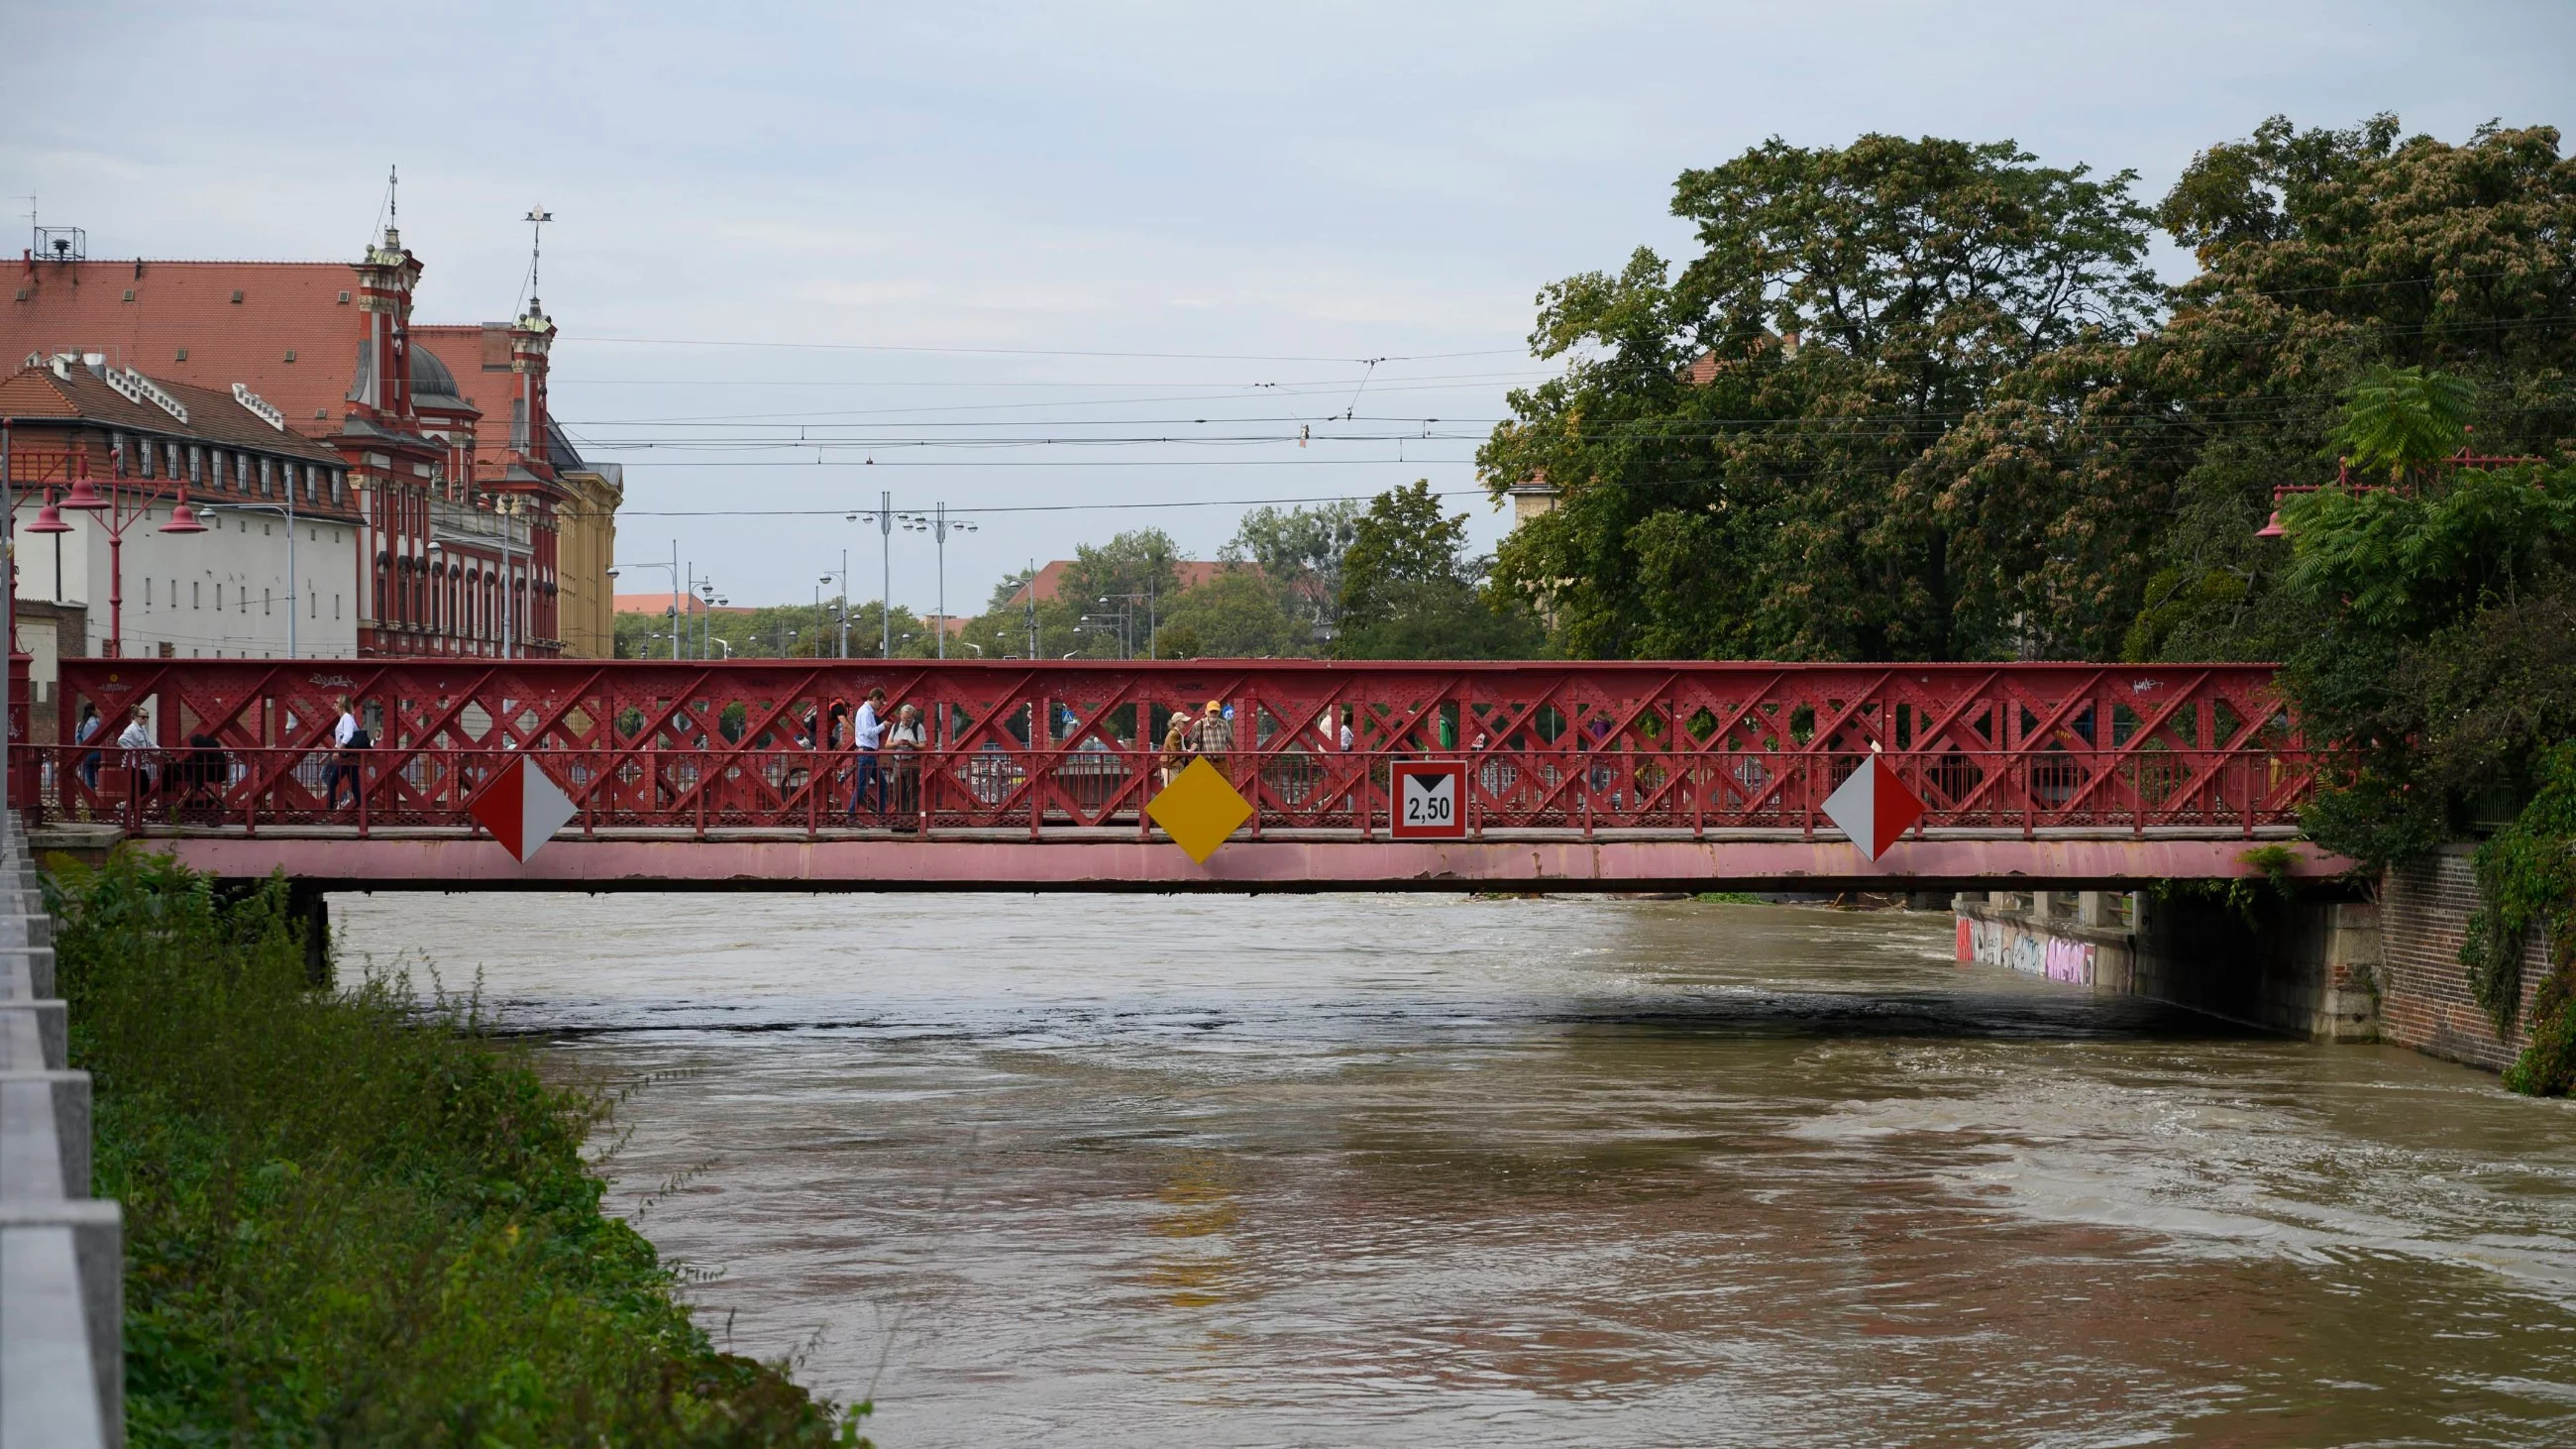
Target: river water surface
1426,1171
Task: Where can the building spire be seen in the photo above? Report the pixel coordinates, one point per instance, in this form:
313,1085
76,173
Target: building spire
392,240
537,218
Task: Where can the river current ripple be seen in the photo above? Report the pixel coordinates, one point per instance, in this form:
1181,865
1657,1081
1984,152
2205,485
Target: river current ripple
1429,1171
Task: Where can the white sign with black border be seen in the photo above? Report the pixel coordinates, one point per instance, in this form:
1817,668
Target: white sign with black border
1430,800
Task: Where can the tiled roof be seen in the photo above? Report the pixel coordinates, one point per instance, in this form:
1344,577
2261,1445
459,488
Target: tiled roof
213,417
660,604
1050,581
287,309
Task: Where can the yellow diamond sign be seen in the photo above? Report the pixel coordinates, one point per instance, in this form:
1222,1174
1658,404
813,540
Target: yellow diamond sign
1199,810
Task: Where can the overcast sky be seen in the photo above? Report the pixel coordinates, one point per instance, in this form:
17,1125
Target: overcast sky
759,208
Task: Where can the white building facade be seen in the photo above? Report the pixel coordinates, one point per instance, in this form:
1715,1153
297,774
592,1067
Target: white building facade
264,563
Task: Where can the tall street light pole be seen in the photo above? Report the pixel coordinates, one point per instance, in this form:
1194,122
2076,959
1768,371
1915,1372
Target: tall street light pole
616,569
885,586
936,523
844,606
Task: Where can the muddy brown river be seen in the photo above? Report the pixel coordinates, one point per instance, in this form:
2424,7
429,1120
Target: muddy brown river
1427,1171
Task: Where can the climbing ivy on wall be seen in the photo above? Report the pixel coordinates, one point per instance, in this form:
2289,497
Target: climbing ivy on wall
2526,878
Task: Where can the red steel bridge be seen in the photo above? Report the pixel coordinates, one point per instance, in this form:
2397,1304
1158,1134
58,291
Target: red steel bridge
1632,776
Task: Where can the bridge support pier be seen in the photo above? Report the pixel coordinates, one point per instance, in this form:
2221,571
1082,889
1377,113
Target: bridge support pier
2306,965
312,910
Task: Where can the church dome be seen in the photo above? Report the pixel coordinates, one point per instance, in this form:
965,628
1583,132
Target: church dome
430,377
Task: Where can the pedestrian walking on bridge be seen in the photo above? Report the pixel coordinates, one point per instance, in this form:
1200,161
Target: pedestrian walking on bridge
867,735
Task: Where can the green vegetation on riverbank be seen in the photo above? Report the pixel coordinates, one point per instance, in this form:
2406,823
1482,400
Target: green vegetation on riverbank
353,1221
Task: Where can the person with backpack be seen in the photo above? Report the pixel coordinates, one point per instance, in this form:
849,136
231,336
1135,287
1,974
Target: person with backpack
350,739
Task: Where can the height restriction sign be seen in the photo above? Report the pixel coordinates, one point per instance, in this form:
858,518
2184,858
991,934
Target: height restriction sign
1430,800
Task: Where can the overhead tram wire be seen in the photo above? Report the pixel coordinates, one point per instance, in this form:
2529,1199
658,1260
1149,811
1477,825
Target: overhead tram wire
2256,413
1036,351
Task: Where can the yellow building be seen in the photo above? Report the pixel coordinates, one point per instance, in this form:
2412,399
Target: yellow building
586,548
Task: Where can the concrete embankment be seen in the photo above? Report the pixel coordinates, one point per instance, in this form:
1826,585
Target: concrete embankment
2384,969
62,1361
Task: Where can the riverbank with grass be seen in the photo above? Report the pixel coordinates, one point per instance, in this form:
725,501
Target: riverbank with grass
351,1219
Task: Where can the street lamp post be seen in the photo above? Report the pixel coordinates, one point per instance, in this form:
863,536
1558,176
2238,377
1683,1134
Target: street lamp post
937,525
884,519
1127,608
843,607
86,498
675,594
885,587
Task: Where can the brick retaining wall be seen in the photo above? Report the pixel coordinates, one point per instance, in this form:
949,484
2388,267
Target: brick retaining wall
2424,999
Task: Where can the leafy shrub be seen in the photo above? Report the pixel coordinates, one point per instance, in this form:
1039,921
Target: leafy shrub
2527,881
351,1219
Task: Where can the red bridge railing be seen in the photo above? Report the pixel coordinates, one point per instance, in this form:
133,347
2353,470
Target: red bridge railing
1056,748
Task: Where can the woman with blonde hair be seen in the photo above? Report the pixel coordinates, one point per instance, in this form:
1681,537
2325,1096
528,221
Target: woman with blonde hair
1177,744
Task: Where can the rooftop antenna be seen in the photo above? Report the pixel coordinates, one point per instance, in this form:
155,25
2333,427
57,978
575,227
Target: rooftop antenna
385,210
537,218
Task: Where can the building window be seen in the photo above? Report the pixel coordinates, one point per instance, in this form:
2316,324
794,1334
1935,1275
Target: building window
197,595
196,465
219,598
264,489
335,606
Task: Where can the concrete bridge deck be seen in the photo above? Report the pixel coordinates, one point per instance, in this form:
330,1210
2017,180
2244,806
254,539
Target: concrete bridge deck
1116,859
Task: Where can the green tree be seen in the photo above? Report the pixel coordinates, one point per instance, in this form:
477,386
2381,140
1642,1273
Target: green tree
1138,562
1410,590
1237,614
2329,256
1740,451
1299,552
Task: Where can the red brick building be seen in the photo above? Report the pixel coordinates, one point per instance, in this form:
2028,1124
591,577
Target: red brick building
461,482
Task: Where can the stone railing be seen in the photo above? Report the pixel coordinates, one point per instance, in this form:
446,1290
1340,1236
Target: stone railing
62,1357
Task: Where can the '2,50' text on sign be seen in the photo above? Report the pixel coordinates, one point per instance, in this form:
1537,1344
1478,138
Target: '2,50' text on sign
1430,800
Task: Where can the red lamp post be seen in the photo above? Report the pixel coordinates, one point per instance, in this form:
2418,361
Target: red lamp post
86,498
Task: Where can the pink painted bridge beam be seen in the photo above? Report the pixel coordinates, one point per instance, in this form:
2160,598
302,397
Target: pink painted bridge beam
394,862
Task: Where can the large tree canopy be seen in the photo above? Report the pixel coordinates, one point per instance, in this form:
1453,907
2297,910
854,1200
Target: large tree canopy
1920,399
1740,452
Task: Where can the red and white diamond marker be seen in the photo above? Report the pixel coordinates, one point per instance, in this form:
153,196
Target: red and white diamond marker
522,809
1873,807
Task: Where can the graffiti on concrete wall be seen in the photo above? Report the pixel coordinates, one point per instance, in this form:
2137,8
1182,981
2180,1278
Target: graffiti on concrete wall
2034,953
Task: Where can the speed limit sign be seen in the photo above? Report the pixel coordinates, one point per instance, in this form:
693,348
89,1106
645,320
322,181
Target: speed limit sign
1430,800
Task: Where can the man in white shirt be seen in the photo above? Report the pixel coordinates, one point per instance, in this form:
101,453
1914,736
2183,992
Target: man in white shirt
867,732
349,738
